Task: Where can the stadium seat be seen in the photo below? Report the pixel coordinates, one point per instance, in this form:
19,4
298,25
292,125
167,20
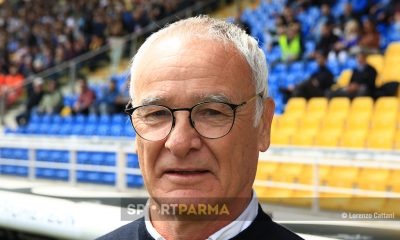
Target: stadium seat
287,124
307,175
303,137
373,179
358,121
362,105
327,138
353,138
344,79
386,105
386,121
295,107
276,195
342,176
317,107
365,204
288,172
266,170
132,160
300,198
135,181
310,124
390,73
280,138
338,107
393,49
381,139
376,61
397,140
394,181
108,178
334,201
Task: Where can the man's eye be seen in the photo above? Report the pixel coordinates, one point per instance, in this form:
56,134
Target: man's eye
209,112
157,114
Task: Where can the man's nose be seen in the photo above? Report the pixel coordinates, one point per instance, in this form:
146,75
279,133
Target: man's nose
183,137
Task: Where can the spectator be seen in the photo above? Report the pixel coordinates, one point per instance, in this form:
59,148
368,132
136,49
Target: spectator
362,82
33,100
370,39
317,85
326,17
107,102
52,101
291,44
348,42
86,98
328,39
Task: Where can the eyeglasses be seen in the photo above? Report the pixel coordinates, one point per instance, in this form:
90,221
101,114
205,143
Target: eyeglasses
210,119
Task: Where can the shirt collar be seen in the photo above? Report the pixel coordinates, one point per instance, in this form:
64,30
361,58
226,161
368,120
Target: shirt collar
227,232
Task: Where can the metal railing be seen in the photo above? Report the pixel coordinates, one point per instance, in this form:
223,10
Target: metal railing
130,42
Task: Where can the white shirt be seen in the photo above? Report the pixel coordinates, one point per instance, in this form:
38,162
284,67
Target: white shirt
227,232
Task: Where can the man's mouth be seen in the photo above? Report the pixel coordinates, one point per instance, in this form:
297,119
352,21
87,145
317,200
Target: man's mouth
186,172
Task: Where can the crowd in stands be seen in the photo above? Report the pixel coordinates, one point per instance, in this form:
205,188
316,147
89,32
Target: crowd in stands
36,35
333,33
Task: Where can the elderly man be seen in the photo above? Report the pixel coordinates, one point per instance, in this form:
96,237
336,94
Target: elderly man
201,112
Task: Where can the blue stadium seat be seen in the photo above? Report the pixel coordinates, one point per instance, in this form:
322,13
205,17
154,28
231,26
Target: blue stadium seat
57,119
89,129
93,177
45,119
110,159
129,131
54,128
80,119
67,119
9,169
42,155
97,158
116,130
77,129
118,118
32,128
66,129
82,157
59,156
132,160
108,178
135,181
103,130
50,173
105,119
21,171
92,119
21,154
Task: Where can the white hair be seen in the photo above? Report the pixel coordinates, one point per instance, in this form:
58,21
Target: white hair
209,28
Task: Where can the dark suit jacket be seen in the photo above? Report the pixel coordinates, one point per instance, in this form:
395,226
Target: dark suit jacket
262,228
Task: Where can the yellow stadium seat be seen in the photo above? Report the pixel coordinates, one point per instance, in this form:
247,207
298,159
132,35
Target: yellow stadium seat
358,121
397,140
276,195
362,105
384,121
327,138
339,107
353,138
288,124
317,107
392,206
300,198
274,123
307,176
333,122
394,181
265,170
296,107
387,105
303,137
260,191
280,137
344,79
376,61
390,72
334,201
341,176
365,204
380,139
288,172
393,49
373,179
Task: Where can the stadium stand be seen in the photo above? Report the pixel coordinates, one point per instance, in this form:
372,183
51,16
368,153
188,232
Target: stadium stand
343,152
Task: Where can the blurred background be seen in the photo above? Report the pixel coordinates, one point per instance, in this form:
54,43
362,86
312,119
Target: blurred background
67,156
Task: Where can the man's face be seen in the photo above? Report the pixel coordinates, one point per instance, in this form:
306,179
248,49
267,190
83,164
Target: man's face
180,74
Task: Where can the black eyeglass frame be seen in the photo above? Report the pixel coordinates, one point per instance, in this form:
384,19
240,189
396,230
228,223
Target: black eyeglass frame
129,110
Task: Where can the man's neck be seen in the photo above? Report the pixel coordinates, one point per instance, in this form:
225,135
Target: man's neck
177,227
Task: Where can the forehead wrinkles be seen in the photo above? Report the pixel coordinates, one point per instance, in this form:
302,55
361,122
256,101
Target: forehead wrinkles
214,58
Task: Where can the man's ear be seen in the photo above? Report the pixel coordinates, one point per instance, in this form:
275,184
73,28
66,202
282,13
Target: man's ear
265,124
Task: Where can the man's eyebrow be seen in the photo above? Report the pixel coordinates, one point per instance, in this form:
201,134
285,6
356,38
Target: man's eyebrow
213,98
152,100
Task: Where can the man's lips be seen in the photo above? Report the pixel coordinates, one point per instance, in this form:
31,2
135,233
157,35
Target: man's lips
186,171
